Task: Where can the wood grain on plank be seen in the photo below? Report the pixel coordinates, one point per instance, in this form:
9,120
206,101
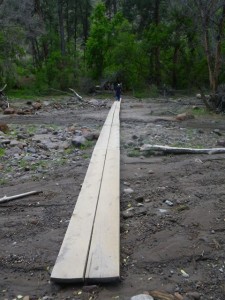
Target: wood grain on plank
71,262
104,256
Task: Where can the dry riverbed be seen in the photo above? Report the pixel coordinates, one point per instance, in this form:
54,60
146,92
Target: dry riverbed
172,206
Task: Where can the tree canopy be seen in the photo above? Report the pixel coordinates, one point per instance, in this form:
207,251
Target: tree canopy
62,43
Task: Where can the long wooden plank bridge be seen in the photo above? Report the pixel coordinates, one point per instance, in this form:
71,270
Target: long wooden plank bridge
91,247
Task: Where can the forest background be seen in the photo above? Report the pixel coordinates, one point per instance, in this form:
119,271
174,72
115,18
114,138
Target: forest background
145,44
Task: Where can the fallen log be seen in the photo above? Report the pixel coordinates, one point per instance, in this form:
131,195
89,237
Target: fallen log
6,199
179,150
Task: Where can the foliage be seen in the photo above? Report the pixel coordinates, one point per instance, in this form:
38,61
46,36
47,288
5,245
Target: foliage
56,72
2,152
97,43
65,43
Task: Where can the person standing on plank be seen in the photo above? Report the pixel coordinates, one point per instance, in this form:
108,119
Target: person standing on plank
118,92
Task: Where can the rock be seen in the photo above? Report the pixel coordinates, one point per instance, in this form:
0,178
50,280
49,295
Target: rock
134,137
9,111
193,295
184,116
31,150
89,288
128,191
168,202
140,211
217,131
91,136
130,144
140,199
22,136
94,102
221,143
78,133
79,141
128,213
150,172
5,142
26,298
37,105
142,297
4,128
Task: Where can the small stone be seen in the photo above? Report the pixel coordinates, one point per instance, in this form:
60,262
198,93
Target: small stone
26,298
169,203
94,102
150,172
194,295
141,211
217,131
221,143
9,111
147,200
140,199
184,274
128,191
142,297
128,213
31,150
79,141
89,288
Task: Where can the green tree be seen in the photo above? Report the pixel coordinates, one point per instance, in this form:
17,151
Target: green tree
125,57
98,41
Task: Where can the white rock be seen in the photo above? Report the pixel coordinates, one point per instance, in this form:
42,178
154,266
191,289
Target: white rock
142,297
128,191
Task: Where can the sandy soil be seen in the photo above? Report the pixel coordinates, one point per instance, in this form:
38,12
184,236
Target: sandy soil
171,248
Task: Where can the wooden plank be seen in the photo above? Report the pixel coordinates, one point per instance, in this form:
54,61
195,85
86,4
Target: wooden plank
104,256
71,262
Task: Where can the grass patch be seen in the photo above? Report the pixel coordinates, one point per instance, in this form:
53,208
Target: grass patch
88,144
3,182
134,153
2,152
182,207
200,111
86,156
22,94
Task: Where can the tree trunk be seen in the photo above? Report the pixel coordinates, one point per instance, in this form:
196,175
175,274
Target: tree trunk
175,60
61,27
157,49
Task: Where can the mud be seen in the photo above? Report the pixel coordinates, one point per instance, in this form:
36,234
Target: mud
171,248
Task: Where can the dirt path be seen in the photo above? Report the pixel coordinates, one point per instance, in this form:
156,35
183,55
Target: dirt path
172,208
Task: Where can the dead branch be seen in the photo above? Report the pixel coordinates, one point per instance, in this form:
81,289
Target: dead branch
1,90
76,95
179,150
6,199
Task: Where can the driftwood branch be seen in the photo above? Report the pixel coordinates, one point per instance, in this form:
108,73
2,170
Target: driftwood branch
6,199
1,90
76,94
179,150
